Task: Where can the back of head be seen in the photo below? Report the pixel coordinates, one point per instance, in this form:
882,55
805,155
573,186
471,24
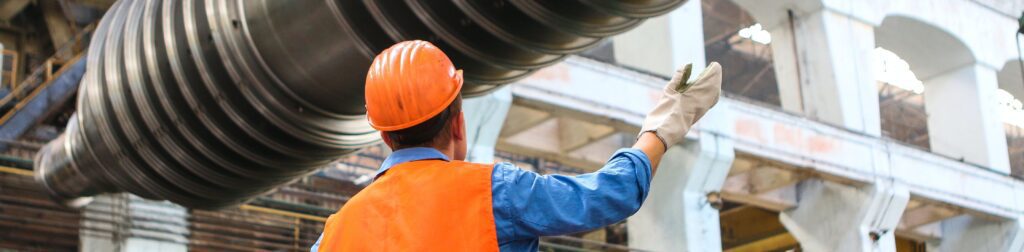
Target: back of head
412,92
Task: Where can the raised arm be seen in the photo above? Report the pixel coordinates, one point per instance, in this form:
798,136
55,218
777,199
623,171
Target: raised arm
539,205
680,106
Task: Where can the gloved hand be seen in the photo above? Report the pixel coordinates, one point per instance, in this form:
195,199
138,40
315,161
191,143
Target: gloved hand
682,104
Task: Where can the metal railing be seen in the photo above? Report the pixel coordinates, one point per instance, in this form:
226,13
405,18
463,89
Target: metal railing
8,78
552,243
35,90
44,74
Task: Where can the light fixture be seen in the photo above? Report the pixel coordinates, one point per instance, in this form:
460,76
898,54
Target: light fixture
895,71
756,33
1010,108
362,180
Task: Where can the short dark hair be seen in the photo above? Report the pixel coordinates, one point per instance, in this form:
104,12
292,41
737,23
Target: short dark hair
434,130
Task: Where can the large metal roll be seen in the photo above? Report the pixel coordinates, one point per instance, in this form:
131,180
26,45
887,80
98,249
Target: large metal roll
208,103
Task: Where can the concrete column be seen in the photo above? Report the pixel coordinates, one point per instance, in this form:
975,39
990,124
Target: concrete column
686,31
125,222
963,120
787,74
836,217
485,115
59,26
677,215
829,76
663,44
8,9
969,233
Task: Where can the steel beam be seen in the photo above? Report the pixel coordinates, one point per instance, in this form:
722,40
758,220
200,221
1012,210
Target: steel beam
11,8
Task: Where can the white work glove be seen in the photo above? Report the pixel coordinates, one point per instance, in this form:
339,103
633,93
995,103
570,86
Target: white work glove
682,104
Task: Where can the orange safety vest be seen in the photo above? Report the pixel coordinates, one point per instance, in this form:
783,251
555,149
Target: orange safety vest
426,205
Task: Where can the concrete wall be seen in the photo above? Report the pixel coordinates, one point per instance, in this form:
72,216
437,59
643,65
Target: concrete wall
823,63
665,43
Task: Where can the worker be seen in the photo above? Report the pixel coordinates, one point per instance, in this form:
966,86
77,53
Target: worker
425,197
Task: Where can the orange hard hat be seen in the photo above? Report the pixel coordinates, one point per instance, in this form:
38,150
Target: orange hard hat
409,83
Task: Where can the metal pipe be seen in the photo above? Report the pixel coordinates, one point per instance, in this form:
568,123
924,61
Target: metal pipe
17,161
209,103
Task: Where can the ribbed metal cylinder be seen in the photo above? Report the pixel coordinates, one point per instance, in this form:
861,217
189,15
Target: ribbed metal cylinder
208,103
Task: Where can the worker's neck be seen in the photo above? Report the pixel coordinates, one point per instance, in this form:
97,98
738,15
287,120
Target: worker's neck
448,149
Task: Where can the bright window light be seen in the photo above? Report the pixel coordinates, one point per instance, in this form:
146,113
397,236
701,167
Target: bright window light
891,69
756,33
1010,108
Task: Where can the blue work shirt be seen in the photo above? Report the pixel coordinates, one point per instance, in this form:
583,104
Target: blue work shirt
528,205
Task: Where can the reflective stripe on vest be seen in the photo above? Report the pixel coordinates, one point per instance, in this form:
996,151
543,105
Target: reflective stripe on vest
427,205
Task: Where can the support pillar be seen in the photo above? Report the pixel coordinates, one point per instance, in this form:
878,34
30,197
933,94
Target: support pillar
836,217
59,26
787,71
11,8
485,116
823,61
963,118
677,215
125,222
831,68
969,233
663,44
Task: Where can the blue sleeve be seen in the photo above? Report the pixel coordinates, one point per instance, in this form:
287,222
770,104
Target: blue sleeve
528,205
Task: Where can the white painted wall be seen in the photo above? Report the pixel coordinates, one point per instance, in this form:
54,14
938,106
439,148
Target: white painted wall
663,44
123,222
967,233
672,216
836,217
484,117
1011,79
646,47
963,120
838,85
829,70
677,215
834,84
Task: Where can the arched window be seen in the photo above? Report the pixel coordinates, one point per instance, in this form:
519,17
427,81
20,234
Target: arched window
742,45
900,100
1011,90
928,91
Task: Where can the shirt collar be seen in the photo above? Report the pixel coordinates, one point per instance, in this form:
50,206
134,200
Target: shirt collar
409,155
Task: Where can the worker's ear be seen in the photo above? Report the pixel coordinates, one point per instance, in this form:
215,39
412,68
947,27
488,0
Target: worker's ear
458,142
458,127
387,140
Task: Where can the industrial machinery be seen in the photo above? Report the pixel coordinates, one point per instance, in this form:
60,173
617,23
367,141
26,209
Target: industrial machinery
207,103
